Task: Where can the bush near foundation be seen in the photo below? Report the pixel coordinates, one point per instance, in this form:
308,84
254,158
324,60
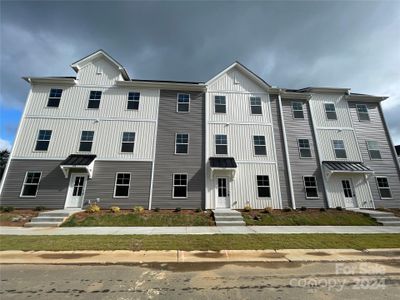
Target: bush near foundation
115,209
138,209
93,208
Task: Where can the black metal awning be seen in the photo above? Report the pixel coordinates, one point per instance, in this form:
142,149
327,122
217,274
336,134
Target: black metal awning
347,167
223,162
78,161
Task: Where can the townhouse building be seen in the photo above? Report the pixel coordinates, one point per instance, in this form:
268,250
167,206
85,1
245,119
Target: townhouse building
226,143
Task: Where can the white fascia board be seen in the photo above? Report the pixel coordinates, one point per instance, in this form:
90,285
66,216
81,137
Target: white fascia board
326,90
163,85
49,80
366,98
289,95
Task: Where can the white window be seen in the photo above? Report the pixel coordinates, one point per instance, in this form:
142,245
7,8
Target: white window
122,184
304,148
310,187
263,188
362,111
180,185
54,98
255,103
383,187
182,143
183,103
220,104
221,144
297,110
338,147
330,111
133,100
94,99
43,140
86,141
128,142
31,184
373,150
259,145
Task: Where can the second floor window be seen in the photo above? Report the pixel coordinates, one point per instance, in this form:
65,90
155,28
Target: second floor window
373,150
183,103
297,109
182,143
259,145
362,111
220,104
338,147
43,140
255,103
86,141
94,99
330,111
128,142
133,100
304,148
54,98
221,144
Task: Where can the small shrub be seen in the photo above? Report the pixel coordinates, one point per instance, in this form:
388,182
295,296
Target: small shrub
178,209
322,209
93,208
303,208
138,209
7,208
268,210
157,209
115,209
287,209
247,208
198,210
339,208
256,218
39,208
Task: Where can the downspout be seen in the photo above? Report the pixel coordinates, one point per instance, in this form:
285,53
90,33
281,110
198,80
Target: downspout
154,151
289,169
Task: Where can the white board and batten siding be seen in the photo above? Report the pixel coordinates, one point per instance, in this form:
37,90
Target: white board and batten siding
97,72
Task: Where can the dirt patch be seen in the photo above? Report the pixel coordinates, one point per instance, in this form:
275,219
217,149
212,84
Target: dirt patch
320,253
209,254
273,255
67,255
23,216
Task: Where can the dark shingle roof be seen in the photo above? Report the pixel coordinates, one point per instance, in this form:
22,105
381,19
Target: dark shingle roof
222,162
346,166
78,160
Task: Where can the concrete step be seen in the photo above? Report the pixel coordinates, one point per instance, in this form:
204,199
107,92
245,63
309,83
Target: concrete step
230,223
42,224
387,219
50,214
48,219
226,213
390,223
228,218
374,215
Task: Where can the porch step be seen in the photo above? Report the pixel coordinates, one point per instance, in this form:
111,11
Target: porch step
42,224
230,223
387,219
48,219
382,217
390,223
51,218
227,217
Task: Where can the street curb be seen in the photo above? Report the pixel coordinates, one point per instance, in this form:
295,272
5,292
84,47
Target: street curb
179,256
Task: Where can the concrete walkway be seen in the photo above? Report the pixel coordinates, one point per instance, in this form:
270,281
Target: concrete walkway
198,230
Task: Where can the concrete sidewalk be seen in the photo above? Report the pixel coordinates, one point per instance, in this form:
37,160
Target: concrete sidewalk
198,230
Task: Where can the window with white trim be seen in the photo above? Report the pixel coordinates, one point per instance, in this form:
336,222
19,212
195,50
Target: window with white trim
31,184
383,187
297,110
54,98
220,104
86,141
310,187
182,143
373,150
183,102
221,144
180,185
43,140
338,147
133,100
330,111
304,148
94,99
255,104
128,141
122,185
259,145
362,112
263,187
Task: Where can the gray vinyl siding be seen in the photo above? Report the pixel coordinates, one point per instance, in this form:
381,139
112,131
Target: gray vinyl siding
280,152
167,163
374,130
297,129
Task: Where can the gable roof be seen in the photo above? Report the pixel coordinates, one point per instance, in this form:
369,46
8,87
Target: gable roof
99,53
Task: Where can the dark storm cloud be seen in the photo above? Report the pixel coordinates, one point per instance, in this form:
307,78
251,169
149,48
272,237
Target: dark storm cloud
289,44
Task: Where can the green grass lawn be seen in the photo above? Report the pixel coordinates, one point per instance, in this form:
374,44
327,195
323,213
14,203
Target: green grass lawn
308,217
199,242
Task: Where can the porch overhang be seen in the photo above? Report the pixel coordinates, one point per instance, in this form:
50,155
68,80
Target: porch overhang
223,164
346,167
78,161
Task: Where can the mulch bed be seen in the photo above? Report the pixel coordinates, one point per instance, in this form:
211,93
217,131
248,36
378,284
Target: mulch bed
25,216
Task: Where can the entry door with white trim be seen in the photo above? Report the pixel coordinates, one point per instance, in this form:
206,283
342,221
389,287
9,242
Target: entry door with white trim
348,193
76,191
223,200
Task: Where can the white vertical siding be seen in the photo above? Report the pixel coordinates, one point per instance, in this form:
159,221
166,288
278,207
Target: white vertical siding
325,138
99,72
235,81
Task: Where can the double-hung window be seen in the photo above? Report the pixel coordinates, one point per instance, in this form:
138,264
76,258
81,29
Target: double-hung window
86,141
133,100
297,110
31,184
183,102
338,147
180,185
220,104
373,150
122,183
259,145
310,187
94,99
182,143
54,98
304,148
221,144
383,187
330,111
43,140
362,111
255,104
263,187
128,142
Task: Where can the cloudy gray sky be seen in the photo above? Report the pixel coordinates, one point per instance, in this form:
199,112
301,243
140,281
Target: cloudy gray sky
290,44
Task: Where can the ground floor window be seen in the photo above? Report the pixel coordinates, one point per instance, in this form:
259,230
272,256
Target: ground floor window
31,184
180,186
263,187
122,183
310,187
383,187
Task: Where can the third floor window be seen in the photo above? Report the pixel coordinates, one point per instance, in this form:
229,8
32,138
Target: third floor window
183,103
54,98
94,99
133,100
297,109
255,103
220,104
330,111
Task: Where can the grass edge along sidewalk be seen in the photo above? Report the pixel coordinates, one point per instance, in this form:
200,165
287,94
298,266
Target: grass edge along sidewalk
198,242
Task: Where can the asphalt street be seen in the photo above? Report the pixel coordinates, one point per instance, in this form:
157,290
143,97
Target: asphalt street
280,280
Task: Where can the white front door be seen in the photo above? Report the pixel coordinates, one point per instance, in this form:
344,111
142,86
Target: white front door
348,193
76,191
223,200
